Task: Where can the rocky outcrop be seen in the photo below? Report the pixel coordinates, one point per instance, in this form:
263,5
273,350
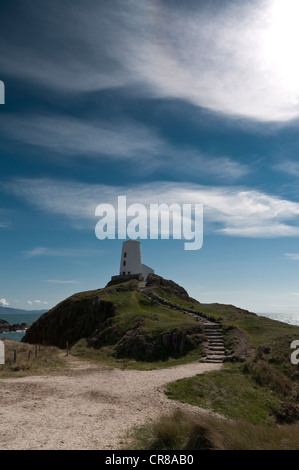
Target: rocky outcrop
134,319
3,323
75,318
141,345
6,327
171,287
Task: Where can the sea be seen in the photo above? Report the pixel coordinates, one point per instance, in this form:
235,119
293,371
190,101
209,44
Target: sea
14,318
290,318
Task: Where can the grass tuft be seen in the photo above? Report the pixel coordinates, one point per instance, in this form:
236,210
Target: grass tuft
184,431
27,363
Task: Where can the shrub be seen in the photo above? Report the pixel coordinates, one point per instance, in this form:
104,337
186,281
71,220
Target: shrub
183,431
267,375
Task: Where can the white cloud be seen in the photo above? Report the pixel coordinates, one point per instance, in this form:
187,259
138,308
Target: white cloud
289,167
292,256
4,214
4,302
128,141
237,58
232,59
228,210
38,302
59,252
71,136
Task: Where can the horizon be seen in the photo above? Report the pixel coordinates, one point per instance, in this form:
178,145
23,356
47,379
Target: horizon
161,102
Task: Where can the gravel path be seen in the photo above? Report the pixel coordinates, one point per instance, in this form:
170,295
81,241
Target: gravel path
86,407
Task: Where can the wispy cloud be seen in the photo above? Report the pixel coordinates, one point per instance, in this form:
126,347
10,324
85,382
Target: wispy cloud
289,167
237,58
4,302
230,210
292,256
38,302
118,140
4,222
70,136
59,252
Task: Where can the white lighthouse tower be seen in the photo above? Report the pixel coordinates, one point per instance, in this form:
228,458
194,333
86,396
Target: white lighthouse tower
131,260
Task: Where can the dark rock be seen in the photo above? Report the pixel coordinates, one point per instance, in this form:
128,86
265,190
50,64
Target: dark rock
6,327
141,345
71,320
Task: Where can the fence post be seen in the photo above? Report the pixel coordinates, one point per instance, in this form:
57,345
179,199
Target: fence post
35,350
14,356
67,348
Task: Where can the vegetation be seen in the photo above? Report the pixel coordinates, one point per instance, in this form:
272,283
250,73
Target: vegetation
256,391
121,322
230,393
185,431
106,357
29,361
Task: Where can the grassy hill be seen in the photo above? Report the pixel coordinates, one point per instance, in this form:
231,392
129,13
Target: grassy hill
121,320
257,388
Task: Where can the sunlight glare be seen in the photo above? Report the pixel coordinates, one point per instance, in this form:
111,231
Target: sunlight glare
281,46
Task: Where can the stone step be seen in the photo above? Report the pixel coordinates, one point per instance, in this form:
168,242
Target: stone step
214,361
211,325
216,353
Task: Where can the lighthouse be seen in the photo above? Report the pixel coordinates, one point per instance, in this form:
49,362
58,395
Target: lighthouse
131,261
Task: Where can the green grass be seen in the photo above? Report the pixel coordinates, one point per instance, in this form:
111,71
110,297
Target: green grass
258,330
186,431
262,391
105,357
228,392
261,330
132,306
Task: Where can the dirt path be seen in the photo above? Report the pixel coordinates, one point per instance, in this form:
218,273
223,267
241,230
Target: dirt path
85,407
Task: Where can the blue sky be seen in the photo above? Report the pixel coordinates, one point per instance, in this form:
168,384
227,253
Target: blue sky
161,101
